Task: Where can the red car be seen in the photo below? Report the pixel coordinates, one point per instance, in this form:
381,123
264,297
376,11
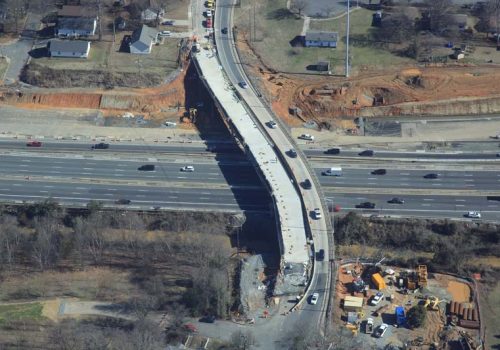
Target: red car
209,23
34,144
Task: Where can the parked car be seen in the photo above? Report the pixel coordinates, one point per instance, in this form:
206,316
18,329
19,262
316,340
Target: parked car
209,13
188,168
34,144
396,200
123,201
243,85
314,298
208,319
165,33
377,298
168,23
272,124
306,137
379,333
101,145
146,167
473,214
366,153
379,172
366,205
307,185
317,213
431,176
320,255
332,151
292,153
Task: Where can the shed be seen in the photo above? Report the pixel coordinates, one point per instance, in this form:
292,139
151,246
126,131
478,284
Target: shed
321,39
378,280
354,304
73,48
143,40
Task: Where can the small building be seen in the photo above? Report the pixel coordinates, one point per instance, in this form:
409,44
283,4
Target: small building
70,48
151,14
321,39
76,26
353,304
73,11
143,39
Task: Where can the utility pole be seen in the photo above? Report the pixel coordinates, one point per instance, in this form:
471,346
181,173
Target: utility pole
347,41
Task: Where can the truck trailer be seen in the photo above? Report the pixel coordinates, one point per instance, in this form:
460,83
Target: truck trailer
333,171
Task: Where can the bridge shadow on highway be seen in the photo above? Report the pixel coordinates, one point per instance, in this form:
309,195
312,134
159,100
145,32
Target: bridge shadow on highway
246,187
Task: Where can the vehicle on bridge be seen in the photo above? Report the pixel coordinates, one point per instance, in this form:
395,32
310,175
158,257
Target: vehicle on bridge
292,153
317,213
243,84
224,30
101,145
34,144
473,215
332,151
320,255
333,171
431,176
146,167
366,205
379,172
123,201
306,184
272,124
396,200
187,169
366,153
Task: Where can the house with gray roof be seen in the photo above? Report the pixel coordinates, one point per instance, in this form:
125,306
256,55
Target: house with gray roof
321,39
76,26
69,48
143,39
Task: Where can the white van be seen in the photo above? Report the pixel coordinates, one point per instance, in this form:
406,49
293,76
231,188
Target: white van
333,171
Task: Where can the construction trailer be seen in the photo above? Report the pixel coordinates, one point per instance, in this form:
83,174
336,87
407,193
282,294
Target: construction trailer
400,315
378,280
353,304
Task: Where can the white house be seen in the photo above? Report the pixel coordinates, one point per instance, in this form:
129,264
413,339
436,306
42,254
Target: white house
143,40
75,27
321,39
70,48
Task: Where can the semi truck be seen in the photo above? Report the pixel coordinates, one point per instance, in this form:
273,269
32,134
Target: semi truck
333,171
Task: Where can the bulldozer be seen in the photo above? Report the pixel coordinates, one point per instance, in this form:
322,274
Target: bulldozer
432,303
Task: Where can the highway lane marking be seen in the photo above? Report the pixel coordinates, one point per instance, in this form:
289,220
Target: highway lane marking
173,197
426,205
17,185
469,175
372,178
44,191
469,180
88,169
80,188
75,192
405,174
141,190
48,186
460,200
4,189
459,205
26,160
57,167
428,199
24,165
371,183
204,198
492,206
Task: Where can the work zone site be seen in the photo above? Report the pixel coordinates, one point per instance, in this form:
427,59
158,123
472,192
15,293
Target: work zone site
384,307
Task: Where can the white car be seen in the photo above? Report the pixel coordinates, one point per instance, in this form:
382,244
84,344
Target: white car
165,33
377,298
314,298
188,168
306,137
317,213
379,333
473,214
209,13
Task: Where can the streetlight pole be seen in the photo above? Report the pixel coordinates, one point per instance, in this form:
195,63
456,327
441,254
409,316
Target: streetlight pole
347,40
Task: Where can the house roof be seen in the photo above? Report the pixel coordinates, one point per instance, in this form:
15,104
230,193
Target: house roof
68,45
81,23
76,11
321,36
143,37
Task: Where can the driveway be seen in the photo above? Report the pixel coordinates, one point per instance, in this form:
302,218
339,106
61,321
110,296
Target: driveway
17,56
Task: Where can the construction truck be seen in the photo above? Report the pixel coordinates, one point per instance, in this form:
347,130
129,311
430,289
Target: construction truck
369,326
400,315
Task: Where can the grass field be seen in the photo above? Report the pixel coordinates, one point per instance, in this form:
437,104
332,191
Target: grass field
275,28
17,312
104,56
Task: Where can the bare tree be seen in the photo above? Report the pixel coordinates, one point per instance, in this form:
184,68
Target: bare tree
493,8
242,341
10,239
89,237
298,6
45,248
439,14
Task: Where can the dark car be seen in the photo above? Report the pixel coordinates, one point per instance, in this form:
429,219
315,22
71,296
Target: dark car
123,201
292,153
431,176
207,319
396,200
366,153
34,144
101,145
146,167
320,256
307,184
366,205
224,30
332,151
379,172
